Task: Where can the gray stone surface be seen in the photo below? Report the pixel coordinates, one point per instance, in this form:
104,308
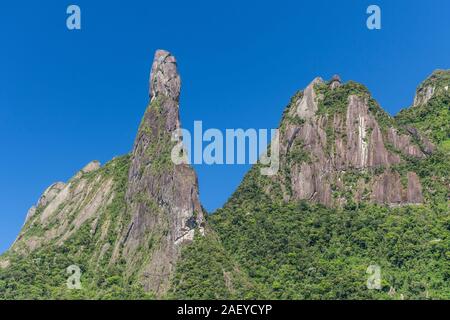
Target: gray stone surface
162,197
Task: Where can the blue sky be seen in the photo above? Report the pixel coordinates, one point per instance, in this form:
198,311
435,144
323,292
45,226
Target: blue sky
69,97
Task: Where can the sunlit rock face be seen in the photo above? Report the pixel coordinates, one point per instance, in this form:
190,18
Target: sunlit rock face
162,197
156,209
334,132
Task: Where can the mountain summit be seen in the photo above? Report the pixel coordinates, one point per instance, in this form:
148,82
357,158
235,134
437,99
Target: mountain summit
134,214
339,146
161,197
430,112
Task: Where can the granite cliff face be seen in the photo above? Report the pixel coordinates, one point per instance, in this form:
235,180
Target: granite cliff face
338,147
79,220
162,197
429,116
355,187
65,207
138,210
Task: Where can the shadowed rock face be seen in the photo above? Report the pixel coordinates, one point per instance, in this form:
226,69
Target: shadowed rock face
162,197
350,141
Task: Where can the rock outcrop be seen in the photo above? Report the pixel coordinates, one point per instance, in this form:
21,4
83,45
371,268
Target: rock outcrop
64,209
140,208
335,131
428,119
128,220
162,197
436,84
50,194
423,95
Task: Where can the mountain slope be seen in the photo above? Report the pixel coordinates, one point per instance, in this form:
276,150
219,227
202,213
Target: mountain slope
430,112
80,225
123,224
338,147
381,194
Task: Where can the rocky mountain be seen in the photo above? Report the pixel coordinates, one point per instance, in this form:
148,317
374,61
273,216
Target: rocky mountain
161,197
332,131
430,111
356,188
136,212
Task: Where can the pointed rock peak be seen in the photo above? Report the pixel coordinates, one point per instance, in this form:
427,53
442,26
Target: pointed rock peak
335,82
336,77
317,80
162,196
307,106
164,78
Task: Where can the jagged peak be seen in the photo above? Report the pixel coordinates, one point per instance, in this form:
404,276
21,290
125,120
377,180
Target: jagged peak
161,196
306,107
335,82
164,77
50,193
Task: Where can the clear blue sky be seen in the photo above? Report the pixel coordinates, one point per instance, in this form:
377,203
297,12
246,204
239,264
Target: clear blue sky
68,97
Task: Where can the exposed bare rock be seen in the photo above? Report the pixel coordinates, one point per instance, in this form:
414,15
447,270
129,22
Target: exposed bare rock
101,198
423,95
335,82
162,197
56,202
91,166
358,122
164,77
414,193
403,142
387,189
307,106
327,146
50,194
63,209
303,182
